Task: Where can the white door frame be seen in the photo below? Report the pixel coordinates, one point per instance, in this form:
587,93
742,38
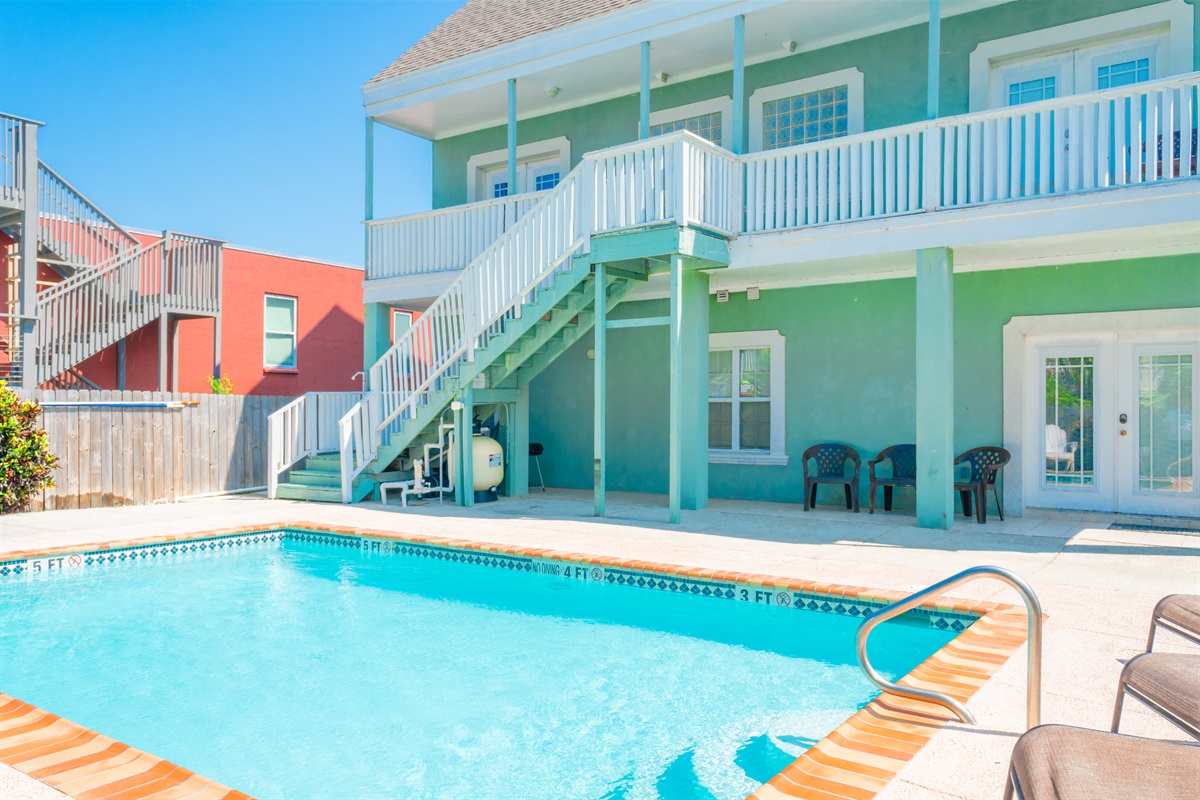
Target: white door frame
1016,370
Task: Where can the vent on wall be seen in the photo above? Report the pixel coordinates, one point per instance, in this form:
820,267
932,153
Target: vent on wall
722,295
751,292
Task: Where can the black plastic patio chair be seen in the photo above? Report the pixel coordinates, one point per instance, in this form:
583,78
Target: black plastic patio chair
831,459
985,464
904,472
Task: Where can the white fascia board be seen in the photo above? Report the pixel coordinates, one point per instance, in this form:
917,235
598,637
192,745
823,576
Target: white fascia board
409,291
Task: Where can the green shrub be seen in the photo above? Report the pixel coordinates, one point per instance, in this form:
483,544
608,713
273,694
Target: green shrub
26,463
222,385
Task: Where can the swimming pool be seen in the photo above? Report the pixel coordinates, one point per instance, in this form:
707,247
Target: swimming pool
324,666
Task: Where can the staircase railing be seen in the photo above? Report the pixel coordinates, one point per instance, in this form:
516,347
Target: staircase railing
304,427
13,143
673,179
73,228
96,308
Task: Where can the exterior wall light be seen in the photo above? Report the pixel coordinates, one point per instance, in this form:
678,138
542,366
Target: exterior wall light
662,77
790,46
552,92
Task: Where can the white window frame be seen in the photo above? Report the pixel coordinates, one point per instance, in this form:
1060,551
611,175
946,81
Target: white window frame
750,340
479,165
294,333
1165,28
724,105
851,78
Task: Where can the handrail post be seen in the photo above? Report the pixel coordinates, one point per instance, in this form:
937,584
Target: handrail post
1033,702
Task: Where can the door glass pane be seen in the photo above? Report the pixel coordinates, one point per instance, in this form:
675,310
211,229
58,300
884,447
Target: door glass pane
755,430
1165,423
1031,91
720,373
720,426
1123,74
1068,437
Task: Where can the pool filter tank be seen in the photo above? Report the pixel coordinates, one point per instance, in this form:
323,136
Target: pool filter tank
488,466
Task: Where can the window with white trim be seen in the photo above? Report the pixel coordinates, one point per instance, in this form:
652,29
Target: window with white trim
808,117
1110,76
746,398
812,109
706,125
540,166
545,181
279,332
1032,90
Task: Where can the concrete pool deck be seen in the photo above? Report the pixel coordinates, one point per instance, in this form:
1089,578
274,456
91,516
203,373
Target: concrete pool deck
1097,586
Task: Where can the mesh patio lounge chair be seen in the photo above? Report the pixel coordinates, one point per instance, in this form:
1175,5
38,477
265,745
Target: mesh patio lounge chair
1056,762
904,472
831,461
1167,682
1178,613
985,464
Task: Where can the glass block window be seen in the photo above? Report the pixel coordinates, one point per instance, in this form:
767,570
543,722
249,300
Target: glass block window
279,332
541,182
706,125
810,117
500,189
1031,91
739,391
1123,74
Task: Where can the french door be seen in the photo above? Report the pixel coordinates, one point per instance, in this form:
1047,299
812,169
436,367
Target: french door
1110,422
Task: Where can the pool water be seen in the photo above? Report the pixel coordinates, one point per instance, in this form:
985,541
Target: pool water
301,670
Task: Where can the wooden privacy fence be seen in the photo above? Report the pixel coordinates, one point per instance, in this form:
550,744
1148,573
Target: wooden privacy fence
111,454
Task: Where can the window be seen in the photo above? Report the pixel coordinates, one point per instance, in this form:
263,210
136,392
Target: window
745,398
279,332
808,117
1031,91
500,189
546,181
401,322
707,118
706,125
1123,74
810,110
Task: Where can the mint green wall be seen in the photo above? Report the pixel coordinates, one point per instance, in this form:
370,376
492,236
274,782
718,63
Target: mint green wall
850,362
893,65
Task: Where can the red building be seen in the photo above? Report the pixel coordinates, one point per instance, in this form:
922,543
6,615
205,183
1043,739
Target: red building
290,325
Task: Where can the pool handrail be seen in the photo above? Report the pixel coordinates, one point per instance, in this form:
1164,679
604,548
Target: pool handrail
1033,702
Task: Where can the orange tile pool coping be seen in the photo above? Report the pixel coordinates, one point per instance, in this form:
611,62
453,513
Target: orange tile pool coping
854,762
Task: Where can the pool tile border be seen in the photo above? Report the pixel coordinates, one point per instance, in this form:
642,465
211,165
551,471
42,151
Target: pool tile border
855,761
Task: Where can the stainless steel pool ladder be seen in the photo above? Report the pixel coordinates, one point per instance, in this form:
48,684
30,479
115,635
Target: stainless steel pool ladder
1033,702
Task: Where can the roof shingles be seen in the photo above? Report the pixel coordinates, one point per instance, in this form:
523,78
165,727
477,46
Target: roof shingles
483,24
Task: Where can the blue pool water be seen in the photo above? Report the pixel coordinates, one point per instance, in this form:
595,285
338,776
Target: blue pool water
298,670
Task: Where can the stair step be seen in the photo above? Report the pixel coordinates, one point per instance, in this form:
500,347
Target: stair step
326,462
323,494
312,477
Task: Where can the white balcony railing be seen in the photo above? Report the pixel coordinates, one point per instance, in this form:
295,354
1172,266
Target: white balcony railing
1136,134
445,239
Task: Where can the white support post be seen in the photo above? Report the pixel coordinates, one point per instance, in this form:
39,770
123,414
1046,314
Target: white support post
512,136
29,250
739,83
644,95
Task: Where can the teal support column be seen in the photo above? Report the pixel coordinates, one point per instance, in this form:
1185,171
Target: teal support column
512,136
466,447
693,373
933,81
1195,36
739,84
377,333
644,96
935,388
518,458
600,385
456,415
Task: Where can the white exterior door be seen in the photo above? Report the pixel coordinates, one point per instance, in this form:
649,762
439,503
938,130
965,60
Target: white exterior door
1109,422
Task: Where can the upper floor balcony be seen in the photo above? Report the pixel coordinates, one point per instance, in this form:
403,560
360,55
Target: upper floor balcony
1094,166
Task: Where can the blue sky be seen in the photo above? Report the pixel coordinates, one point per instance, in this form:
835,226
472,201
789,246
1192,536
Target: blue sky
237,120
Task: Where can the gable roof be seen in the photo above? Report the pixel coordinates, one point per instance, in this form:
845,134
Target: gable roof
483,24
